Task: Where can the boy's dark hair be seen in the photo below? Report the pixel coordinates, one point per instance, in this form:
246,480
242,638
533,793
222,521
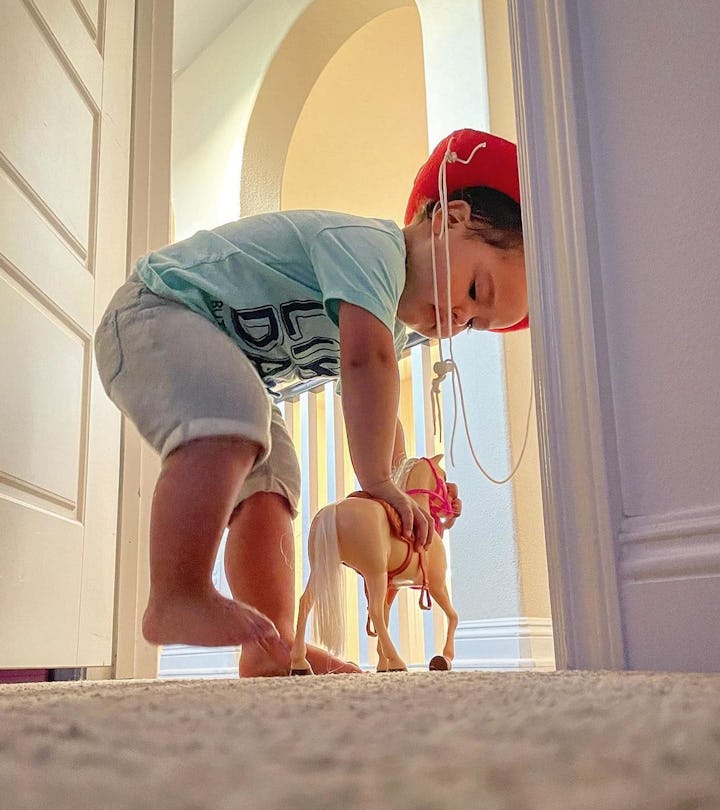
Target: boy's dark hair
495,216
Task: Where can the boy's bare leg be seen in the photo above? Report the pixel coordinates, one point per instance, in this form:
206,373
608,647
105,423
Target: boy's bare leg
194,498
260,566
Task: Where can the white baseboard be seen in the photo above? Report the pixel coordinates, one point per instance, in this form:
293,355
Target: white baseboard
678,544
512,643
205,674
669,566
178,661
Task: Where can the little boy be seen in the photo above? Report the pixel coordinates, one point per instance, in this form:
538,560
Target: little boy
194,344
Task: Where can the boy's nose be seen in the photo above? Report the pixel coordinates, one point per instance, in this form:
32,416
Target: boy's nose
461,316
474,317
461,319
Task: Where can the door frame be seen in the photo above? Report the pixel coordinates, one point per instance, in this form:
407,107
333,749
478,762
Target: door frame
578,453
149,227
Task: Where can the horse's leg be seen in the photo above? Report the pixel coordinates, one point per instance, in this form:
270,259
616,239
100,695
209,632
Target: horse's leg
437,586
382,660
376,583
442,599
299,665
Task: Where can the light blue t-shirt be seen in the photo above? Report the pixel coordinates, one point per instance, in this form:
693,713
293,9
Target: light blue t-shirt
274,283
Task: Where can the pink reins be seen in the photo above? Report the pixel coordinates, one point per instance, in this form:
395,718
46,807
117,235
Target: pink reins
439,499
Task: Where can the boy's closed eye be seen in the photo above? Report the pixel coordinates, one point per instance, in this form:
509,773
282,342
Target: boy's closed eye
488,299
487,291
473,297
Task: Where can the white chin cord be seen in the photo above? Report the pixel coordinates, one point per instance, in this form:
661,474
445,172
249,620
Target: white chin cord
444,366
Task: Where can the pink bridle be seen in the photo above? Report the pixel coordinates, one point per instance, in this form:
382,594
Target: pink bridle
439,499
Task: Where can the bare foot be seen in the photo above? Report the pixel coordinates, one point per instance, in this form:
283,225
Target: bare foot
255,663
323,663
208,620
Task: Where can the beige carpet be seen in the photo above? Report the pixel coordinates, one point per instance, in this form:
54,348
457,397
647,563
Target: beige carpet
424,740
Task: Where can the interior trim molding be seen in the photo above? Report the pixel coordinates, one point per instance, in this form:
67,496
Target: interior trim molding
508,643
149,227
670,525
577,466
179,661
671,545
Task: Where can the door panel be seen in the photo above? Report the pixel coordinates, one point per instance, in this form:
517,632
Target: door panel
49,265
75,38
41,564
53,149
41,453
65,91
90,11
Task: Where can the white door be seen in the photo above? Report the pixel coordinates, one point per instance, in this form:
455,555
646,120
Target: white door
65,96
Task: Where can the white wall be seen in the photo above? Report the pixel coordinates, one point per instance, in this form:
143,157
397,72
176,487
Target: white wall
213,101
651,71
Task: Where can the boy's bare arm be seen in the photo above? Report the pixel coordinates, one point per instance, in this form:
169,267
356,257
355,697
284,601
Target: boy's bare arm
399,453
370,394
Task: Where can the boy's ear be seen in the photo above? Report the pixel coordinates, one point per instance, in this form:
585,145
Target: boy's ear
459,212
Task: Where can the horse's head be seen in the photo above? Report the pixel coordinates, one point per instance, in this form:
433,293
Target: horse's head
435,464
425,476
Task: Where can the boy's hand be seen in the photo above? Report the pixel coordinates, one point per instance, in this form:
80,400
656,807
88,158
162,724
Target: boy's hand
456,505
417,525
371,393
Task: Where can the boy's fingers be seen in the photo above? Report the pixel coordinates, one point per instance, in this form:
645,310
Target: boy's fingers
265,628
271,644
423,529
276,649
406,519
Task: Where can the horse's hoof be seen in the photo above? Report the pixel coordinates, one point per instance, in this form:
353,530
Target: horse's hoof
301,672
396,669
440,664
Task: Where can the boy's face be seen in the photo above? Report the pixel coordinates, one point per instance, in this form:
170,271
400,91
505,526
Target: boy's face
488,287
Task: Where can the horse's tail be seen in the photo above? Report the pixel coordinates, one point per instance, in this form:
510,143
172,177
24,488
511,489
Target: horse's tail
328,581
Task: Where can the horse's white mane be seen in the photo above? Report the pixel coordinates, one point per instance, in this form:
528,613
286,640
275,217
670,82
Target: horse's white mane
402,471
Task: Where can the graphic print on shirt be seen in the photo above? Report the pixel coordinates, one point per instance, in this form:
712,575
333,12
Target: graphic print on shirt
283,343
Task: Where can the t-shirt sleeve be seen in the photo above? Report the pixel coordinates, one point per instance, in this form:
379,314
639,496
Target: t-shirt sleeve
361,265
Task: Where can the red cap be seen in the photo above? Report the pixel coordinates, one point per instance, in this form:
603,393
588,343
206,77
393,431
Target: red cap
493,165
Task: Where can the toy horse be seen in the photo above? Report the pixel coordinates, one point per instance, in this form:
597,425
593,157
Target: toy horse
358,533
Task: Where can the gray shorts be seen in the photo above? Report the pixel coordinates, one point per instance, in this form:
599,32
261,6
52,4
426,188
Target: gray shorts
178,377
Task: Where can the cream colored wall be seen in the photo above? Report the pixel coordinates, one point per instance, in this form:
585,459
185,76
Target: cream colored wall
530,537
362,133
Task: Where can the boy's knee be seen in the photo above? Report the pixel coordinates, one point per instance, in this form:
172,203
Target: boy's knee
267,502
224,454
